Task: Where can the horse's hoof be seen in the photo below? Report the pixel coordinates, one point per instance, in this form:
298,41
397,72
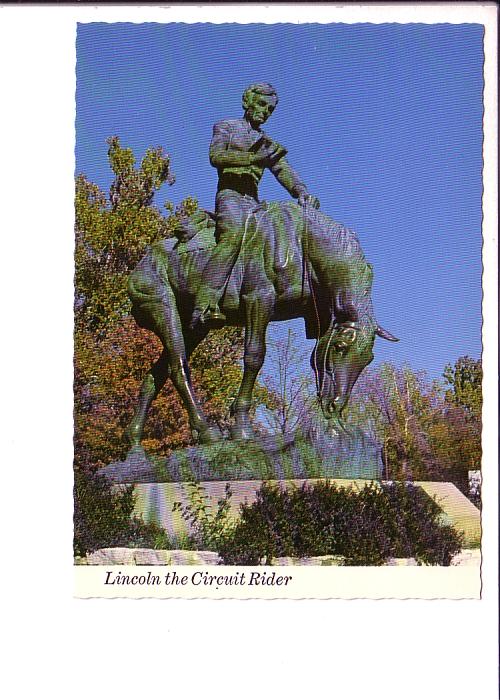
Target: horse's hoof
136,453
210,435
134,435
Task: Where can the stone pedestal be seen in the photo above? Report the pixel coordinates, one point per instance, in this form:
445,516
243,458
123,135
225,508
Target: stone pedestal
154,502
457,510
349,459
345,455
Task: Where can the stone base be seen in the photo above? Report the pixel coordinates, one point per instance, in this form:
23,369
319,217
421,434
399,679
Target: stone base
128,556
457,509
154,503
123,556
324,454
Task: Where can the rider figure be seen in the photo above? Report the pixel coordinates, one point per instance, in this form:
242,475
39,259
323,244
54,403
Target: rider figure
241,151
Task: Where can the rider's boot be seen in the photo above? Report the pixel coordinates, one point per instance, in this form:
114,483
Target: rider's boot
207,311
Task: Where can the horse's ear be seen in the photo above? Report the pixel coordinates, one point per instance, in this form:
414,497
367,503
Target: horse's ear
386,335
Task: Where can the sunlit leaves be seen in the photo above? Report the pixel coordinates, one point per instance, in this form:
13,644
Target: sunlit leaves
426,432
112,354
464,385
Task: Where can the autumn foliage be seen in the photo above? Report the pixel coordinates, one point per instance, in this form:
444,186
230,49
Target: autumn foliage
429,431
112,354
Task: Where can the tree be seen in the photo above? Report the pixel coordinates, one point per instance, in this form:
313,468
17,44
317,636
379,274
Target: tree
398,405
464,380
463,408
111,237
112,354
289,399
427,432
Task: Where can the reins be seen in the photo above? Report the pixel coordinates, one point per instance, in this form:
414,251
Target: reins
307,273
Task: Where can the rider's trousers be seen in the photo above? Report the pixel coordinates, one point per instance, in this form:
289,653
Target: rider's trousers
232,212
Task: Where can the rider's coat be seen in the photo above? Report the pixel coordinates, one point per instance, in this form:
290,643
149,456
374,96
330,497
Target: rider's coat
237,191
238,135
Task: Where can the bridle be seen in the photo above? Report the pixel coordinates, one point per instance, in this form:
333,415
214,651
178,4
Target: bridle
306,275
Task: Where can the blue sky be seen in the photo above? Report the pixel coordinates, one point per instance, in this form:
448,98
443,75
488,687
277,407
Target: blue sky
383,122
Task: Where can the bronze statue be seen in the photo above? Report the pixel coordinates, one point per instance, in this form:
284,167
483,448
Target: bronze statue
241,151
274,262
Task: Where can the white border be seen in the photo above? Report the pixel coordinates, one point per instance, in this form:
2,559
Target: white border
218,649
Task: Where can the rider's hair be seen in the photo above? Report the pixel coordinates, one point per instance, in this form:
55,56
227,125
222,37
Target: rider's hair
258,89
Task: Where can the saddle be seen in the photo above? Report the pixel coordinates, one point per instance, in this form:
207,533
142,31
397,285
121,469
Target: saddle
278,222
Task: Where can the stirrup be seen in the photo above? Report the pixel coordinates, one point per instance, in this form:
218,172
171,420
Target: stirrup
211,315
214,317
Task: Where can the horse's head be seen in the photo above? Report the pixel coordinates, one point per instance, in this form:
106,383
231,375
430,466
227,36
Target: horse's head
341,355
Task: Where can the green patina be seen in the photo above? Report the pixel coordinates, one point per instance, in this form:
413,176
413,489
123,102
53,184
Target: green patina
248,264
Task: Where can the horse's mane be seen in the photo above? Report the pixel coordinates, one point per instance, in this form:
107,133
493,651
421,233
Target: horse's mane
344,240
345,243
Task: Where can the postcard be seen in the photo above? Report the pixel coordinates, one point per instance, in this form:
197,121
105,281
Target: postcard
250,257
278,309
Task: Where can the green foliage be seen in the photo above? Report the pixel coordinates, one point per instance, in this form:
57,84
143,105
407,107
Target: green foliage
365,527
427,432
210,529
111,237
464,380
103,518
136,187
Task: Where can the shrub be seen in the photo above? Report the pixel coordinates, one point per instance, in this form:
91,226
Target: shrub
365,527
209,529
103,517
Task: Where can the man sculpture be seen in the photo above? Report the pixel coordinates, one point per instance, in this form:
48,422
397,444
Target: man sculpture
241,151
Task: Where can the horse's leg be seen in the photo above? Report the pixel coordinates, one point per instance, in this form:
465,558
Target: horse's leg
178,351
258,311
164,320
151,386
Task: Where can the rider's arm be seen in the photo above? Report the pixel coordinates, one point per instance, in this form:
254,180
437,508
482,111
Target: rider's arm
221,155
286,175
289,178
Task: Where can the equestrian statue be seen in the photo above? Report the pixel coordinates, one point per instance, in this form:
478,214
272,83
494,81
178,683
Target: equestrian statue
248,264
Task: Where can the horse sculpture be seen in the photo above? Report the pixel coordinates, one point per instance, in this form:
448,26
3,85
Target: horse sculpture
293,262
